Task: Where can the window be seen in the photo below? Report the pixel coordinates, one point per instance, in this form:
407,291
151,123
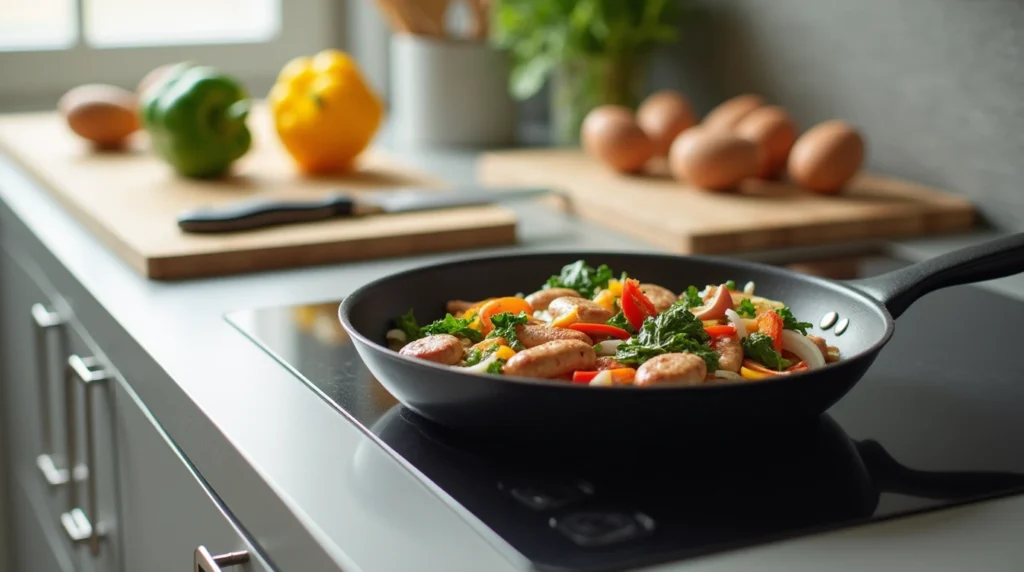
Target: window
49,46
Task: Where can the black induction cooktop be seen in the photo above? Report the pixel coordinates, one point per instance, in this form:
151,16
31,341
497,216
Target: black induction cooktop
936,422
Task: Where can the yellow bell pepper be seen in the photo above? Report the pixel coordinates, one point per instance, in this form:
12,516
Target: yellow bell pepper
748,373
324,112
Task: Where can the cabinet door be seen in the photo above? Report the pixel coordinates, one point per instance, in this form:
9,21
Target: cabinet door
167,510
37,541
32,347
91,518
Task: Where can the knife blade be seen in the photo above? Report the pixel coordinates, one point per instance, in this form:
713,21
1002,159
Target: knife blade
261,213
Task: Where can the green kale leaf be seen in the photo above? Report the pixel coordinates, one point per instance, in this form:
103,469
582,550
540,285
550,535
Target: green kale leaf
791,323
758,347
458,327
619,321
477,355
746,309
692,298
505,326
408,324
584,279
675,330
495,366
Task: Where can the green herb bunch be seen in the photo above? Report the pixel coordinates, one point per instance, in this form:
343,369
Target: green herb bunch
541,34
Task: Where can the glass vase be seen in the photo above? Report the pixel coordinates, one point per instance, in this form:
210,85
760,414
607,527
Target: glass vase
581,84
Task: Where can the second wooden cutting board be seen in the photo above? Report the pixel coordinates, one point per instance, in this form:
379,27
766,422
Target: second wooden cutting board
763,215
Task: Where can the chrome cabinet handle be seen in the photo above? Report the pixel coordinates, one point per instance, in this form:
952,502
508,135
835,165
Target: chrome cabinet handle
43,322
203,561
82,528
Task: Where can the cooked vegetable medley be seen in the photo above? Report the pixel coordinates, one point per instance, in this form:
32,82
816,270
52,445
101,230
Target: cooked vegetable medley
586,326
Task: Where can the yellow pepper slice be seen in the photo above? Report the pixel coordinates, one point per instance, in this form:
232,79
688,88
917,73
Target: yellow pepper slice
563,321
324,111
748,373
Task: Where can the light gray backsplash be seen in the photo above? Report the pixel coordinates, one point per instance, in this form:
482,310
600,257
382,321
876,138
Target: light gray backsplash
937,86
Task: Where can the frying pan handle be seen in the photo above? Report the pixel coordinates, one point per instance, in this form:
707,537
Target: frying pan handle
890,476
986,261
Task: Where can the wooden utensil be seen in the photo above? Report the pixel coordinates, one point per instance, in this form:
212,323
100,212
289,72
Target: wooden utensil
480,21
394,14
428,17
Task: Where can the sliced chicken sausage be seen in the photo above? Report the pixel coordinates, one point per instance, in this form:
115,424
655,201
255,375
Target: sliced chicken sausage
532,336
661,297
552,359
607,362
675,368
587,312
541,299
439,348
730,353
830,353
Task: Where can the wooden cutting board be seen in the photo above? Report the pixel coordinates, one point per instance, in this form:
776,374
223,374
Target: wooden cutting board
762,215
130,200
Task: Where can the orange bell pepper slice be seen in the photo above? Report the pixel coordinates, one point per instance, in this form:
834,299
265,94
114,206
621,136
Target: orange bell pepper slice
509,304
770,324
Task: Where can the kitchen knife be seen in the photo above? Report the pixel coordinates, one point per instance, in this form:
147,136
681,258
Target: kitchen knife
260,213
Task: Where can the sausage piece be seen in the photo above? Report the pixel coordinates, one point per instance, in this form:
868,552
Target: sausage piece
607,362
587,312
830,356
541,299
676,368
457,307
552,359
533,336
439,348
730,353
661,297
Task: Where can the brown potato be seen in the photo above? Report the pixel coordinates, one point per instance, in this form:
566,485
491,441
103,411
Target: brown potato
103,114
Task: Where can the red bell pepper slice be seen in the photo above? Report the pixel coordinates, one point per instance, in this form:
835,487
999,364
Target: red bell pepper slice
770,324
621,375
720,331
636,307
600,330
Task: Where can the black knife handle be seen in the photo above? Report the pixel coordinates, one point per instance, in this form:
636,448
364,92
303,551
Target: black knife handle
263,213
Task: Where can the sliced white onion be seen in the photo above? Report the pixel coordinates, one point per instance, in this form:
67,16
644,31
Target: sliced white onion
604,377
609,347
803,348
737,322
396,335
726,374
542,315
748,288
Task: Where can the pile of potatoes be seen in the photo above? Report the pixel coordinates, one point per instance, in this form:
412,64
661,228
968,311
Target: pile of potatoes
742,138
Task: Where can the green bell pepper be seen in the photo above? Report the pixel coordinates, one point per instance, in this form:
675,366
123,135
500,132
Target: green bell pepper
195,116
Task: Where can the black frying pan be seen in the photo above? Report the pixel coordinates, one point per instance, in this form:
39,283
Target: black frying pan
517,406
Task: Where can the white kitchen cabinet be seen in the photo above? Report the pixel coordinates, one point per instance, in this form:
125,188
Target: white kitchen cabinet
135,502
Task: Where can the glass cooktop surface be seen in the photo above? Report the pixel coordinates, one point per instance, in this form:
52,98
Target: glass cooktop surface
936,422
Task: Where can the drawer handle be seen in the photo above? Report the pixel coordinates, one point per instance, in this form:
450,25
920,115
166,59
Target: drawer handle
43,322
203,561
79,526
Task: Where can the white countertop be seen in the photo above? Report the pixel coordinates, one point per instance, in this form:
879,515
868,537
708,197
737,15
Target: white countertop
311,487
